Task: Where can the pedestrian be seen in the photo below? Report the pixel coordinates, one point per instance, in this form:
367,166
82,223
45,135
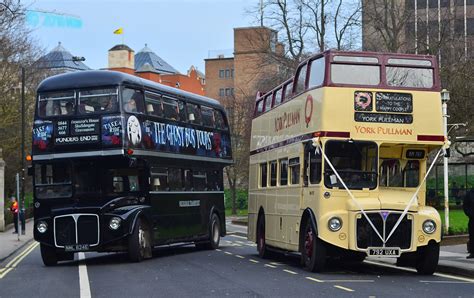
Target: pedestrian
14,210
468,207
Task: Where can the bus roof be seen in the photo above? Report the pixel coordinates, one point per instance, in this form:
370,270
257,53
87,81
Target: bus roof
99,78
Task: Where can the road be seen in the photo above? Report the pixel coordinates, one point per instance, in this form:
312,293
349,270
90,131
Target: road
233,270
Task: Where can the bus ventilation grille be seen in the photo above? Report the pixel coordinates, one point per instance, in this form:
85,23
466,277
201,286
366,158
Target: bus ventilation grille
366,236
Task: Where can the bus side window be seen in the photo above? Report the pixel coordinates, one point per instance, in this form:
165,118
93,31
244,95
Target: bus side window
284,171
207,117
301,79
174,179
263,175
170,108
273,173
214,180
278,97
182,110
220,123
313,163
194,113
200,180
259,110
294,165
188,179
268,102
153,105
288,91
133,101
316,73
159,179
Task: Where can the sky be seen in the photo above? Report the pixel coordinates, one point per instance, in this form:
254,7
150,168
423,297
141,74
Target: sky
182,32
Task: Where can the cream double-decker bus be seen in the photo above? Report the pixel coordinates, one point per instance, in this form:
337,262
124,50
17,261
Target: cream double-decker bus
338,160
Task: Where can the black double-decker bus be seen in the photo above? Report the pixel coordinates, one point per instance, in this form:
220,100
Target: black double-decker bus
121,163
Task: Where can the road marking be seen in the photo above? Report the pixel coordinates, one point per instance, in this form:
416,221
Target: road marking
343,288
218,249
276,263
238,256
348,280
314,279
16,260
237,236
228,253
413,270
254,261
271,266
445,281
289,271
84,286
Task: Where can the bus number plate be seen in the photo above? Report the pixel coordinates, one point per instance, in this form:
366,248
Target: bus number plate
77,247
383,251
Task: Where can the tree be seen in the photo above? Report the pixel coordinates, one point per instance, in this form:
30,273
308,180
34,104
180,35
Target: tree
17,50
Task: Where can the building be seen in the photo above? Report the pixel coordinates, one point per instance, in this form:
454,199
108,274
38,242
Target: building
241,75
148,65
438,27
60,60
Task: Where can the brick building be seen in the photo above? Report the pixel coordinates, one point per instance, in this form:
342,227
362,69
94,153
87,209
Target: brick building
239,76
148,65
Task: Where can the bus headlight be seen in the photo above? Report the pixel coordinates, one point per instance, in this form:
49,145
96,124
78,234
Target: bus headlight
429,226
335,224
114,223
42,227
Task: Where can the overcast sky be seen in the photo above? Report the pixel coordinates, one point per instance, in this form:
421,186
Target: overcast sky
182,32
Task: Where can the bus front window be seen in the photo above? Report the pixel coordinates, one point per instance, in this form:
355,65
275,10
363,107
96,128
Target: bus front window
53,180
355,162
98,101
399,173
56,103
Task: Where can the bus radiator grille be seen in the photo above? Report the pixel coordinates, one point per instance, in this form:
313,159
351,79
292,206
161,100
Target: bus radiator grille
366,236
87,229
65,231
85,225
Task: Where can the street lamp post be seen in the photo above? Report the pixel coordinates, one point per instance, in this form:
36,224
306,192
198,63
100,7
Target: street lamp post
444,100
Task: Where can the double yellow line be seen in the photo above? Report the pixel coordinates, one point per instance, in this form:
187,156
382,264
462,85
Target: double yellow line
16,260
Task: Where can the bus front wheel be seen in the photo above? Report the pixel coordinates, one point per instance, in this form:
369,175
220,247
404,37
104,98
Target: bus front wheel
313,252
427,258
48,254
139,242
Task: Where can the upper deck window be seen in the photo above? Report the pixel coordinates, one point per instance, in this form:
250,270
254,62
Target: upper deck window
268,102
412,62
355,59
98,101
278,97
56,103
207,117
409,77
301,79
355,74
220,120
170,108
288,90
316,73
260,105
132,101
194,113
153,104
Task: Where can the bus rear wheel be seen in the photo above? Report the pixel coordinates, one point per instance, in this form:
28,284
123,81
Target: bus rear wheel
214,235
262,247
313,252
139,242
427,259
48,254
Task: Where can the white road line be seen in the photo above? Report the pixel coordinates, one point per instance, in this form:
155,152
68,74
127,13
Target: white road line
314,279
239,256
343,288
218,249
228,253
271,266
84,286
445,281
413,270
289,271
348,280
254,261
237,236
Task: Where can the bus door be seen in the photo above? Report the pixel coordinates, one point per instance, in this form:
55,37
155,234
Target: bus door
311,176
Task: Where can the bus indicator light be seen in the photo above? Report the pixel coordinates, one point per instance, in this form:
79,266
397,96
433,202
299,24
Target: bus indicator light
28,157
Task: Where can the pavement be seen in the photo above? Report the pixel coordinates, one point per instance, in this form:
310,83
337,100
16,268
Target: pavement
9,242
452,258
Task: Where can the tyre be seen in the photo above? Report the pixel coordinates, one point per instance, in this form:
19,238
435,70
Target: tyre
48,254
214,234
262,247
427,258
139,242
313,250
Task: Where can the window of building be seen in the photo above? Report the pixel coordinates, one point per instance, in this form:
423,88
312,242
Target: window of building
273,173
227,73
301,79
294,165
231,72
231,91
316,73
227,91
284,171
221,73
221,92
263,175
